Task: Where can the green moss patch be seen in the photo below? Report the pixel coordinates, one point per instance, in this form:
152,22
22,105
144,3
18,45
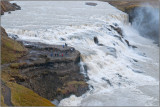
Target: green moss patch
11,50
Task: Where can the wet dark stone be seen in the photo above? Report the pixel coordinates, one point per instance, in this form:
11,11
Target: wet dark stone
118,29
13,36
91,4
95,40
119,75
62,39
137,71
100,45
135,60
107,80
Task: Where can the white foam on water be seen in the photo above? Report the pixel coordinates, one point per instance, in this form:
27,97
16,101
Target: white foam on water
110,68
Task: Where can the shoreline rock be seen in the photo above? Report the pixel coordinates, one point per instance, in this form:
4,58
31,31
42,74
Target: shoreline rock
6,6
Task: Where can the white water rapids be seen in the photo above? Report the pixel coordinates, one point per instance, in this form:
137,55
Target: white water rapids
115,79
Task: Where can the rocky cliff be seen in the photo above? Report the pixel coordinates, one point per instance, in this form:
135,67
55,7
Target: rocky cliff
32,73
6,6
50,75
13,94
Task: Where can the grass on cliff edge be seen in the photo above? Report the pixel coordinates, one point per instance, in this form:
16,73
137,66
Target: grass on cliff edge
2,101
10,50
128,5
20,95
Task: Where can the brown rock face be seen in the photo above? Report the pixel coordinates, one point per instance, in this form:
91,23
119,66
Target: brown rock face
52,77
6,6
3,32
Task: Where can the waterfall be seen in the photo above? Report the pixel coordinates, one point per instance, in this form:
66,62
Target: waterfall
111,64
146,21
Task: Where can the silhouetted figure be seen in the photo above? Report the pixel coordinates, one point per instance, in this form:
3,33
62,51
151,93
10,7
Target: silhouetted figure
58,54
55,53
65,45
51,53
66,52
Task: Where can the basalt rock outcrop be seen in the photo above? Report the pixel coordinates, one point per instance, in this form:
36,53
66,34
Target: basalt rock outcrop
50,75
6,6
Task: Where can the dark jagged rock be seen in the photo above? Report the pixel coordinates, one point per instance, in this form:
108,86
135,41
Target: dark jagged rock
135,60
120,76
134,46
13,36
137,71
120,38
16,6
100,44
95,40
107,80
109,29
129,44
62,39
6,7
52,77
91,4
118,29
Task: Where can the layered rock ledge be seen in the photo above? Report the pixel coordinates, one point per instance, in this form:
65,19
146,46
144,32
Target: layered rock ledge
52,77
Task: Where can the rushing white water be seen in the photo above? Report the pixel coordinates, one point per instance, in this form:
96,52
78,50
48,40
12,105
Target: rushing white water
115,78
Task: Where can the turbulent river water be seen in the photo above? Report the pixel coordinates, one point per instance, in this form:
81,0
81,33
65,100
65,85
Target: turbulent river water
118,74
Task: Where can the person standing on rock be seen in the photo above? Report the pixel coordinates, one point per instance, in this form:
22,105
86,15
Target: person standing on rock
66,53
51,53
58,54
65,45
62,54
55,53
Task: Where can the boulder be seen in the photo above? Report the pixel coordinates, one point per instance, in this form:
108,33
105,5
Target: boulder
95,40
